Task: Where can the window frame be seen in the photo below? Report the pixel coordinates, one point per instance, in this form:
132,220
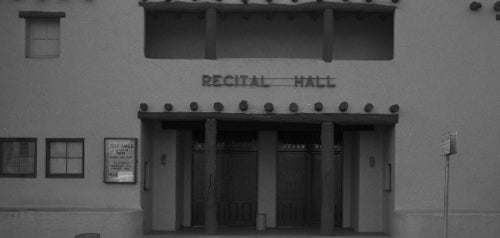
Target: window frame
48,174
30,16
20,139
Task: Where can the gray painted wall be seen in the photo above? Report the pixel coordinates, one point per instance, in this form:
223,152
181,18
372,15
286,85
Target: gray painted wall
443,75
370,182
164,180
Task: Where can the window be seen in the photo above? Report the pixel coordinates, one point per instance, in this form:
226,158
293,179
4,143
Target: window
42,34
65,158
42,38
18,157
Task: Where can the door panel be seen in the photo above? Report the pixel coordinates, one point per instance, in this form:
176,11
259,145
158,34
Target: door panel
316,188
198,199
243,190
299,188
236,188
292,188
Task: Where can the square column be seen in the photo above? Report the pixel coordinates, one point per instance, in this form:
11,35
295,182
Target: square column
210,173
328,179
210,34
328,35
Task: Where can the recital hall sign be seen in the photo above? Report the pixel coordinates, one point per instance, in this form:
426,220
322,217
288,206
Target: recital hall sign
260,81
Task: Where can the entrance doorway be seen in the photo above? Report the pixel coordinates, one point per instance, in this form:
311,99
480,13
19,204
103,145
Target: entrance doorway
299,179
287,165
236,180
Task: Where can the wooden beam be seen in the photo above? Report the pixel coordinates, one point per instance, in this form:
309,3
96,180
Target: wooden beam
29,14
328,179
210,175
210,34
272,7
258,126
305,118
328,35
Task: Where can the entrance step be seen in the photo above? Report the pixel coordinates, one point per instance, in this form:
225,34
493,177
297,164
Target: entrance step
250,232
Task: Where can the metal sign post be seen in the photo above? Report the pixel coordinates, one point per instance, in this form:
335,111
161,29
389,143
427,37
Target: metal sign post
446,186
448,147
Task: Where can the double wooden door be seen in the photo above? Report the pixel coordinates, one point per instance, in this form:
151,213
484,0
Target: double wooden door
299,188
236,188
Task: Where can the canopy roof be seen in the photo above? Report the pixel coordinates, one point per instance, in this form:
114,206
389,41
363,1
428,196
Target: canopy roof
263,5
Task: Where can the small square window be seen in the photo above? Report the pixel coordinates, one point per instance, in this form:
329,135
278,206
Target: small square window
18,157
42,38
65,158
42,34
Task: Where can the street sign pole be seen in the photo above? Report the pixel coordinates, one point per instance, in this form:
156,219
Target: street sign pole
448,148
446,186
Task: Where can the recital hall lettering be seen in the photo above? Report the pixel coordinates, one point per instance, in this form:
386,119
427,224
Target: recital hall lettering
254,81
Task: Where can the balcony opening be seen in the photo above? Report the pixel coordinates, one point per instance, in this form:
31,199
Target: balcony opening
270,35
175,35
182,34
363,36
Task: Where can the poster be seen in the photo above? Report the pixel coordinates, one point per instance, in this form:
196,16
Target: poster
120,160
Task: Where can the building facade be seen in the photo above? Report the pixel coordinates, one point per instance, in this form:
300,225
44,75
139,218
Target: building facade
127,118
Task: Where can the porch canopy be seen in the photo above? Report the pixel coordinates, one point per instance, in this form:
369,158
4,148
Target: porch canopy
276,6
300,118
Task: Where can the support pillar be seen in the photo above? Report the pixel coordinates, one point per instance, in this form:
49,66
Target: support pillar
210,173
328,35
211,32
328,179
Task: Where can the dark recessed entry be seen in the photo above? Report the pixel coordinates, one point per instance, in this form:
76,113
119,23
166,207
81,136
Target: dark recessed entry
236,179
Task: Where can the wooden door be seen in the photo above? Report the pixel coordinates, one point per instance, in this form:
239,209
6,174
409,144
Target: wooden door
316,188
299,188
292,189
242,193
198,192
236,188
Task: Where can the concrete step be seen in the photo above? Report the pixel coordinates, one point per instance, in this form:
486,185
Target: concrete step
244,232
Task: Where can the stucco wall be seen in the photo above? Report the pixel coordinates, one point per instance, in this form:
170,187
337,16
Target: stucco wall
388,197
444,75
165,180
64,223
147,157
370,182
441,68
78,95
461,224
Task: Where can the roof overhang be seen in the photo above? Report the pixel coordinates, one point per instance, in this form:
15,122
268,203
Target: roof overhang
271,7
302,118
